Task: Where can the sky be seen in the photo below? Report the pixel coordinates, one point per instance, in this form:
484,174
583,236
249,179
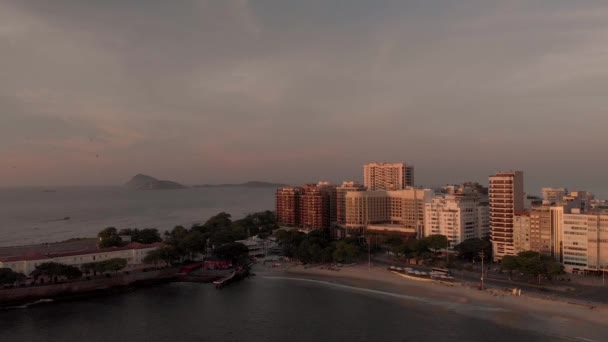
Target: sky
92,93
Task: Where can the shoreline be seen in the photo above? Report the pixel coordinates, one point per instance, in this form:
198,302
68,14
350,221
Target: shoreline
559,318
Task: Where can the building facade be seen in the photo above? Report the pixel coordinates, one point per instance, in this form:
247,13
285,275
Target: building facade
341,192
287,202
521,232
585,242
386,176
461,214
506,198
311,206
402,208
134,253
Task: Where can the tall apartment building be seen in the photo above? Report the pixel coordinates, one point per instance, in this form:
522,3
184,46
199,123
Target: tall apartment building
506,199
399,208
385,176
546,225
521,232
463,213
585,242
287,200
311,206
341,192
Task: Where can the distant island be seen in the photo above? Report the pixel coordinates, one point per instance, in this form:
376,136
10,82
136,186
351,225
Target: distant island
145,182
251,184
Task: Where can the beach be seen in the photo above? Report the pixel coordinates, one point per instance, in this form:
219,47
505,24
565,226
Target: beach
557,318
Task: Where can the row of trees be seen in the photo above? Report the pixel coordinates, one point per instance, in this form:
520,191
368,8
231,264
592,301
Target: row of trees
55,271
106,266
110,237
532,264
425,248
318,247
218,233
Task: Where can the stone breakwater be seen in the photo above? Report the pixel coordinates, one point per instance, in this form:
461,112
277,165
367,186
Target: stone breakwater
15,296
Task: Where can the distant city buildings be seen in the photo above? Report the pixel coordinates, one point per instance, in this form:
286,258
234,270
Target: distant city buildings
570,226
385,176
506,198
461,213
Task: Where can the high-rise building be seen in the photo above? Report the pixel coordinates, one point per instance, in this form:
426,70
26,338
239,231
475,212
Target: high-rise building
315,206
385,176
288,206
506,199
341,199
546,224
463,213
311,206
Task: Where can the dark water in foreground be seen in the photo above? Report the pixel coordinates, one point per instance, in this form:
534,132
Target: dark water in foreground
257,309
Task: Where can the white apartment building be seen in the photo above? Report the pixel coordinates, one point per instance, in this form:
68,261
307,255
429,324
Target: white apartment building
385,176
506,193
459,217
403,208
585,242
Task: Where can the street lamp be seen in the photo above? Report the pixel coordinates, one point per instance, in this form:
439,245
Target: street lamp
482,254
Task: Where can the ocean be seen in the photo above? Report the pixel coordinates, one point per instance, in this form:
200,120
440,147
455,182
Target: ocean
255,310
35,215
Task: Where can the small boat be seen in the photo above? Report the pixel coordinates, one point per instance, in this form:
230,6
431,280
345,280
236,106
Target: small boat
66,218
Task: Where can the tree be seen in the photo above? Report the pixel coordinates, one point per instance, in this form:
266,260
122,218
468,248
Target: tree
194,243
219,221
470,249
234,251
509,263
346,252
165,254
55,270
107,232
145,236
9,277
436,242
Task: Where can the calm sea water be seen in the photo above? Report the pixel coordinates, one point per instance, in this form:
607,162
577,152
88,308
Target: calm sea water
257,309
31,215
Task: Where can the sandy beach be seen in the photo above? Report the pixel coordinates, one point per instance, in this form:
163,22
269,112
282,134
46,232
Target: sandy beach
560,319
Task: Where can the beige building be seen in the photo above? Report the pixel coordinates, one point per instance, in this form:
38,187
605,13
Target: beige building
506,198
521,232
385,176
461,215
546,225
403,208
341,192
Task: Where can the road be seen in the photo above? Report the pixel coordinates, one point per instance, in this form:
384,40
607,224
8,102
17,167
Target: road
583,293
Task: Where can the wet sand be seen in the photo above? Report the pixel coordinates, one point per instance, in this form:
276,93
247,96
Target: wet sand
556,318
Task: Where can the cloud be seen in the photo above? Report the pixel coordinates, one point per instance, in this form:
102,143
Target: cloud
300,87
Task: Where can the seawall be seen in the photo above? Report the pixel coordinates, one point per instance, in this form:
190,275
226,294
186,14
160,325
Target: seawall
20,295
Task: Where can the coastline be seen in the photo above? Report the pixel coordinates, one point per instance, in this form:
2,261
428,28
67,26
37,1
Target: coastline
559,318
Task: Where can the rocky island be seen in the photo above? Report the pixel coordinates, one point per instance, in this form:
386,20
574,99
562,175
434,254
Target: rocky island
145,182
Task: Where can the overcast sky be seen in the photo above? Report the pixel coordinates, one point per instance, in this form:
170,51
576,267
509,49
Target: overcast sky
294,91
